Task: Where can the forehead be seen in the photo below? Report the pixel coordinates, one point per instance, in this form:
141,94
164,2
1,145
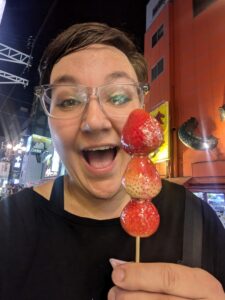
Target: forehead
94,63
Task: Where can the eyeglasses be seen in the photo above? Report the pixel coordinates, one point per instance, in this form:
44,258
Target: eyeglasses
67,101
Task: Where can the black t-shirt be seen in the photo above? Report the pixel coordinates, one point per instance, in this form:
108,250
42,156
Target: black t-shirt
47,253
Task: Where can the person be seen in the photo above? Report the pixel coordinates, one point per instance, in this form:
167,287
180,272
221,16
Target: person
63,239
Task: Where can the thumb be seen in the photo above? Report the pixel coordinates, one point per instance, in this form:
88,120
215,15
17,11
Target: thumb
119,271
116,262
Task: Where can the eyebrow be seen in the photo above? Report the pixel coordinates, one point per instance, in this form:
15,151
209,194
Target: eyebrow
65,79
68,79
118,75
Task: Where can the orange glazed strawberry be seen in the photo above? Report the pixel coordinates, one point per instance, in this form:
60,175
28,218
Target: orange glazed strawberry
140,218
141,179
141,134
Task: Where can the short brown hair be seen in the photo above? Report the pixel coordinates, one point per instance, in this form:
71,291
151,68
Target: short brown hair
82,35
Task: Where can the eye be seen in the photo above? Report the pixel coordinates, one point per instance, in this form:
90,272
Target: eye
119,99
69,103
67,97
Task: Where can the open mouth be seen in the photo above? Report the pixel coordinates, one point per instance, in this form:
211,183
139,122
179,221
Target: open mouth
100,157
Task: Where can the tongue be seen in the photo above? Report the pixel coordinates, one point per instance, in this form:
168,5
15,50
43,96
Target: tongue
100,159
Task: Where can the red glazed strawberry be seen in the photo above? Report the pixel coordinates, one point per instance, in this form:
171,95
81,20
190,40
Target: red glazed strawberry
141,179
141,134
140,218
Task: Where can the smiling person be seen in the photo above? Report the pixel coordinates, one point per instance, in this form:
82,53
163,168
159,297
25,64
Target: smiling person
63,239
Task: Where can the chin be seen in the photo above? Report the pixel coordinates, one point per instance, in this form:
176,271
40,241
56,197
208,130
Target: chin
105,193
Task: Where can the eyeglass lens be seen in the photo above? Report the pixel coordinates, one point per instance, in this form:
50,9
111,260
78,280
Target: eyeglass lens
69,101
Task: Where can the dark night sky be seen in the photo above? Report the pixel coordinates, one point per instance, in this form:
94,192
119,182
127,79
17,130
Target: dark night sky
43,19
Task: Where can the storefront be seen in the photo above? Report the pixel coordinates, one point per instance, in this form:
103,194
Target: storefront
41,162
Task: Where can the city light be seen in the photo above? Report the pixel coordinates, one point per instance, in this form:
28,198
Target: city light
2,7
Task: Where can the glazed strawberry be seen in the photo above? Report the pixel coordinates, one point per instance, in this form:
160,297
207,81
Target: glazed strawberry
140,218
141,134
141,179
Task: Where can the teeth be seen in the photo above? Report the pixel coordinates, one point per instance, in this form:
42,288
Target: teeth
100,148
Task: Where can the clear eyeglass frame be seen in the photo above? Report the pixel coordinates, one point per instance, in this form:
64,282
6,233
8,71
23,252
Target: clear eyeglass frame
83,94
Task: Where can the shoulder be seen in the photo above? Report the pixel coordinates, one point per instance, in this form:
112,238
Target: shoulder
15,206
25,199
172,187
44,189
176,202
18,230
173,192
19,198
171,195
17,219
176,197
20,207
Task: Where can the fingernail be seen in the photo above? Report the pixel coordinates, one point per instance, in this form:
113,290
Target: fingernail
116,262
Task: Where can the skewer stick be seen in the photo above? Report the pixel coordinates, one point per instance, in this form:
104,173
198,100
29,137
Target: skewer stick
137,250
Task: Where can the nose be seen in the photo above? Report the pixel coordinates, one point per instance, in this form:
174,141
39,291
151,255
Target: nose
94,118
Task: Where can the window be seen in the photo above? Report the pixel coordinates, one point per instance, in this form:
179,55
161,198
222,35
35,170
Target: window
199,195
157,7
157,35
158,68
216,201
200,5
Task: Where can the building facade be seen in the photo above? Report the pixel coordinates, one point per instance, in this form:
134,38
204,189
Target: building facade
184,48
185,52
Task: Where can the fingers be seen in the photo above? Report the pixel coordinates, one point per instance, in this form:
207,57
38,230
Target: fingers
119,294
170,279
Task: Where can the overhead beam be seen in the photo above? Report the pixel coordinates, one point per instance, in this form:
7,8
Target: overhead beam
12,79
12,55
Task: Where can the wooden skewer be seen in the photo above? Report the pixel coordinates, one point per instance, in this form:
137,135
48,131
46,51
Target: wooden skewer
137,250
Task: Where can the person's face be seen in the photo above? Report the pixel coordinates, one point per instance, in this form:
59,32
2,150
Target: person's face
89,146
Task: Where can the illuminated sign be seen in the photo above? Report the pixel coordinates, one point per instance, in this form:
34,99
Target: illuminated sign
37,144
161,113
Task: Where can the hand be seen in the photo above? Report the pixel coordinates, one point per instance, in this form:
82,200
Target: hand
162,281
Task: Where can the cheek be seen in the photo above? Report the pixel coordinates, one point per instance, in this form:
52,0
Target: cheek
126,158
63,133
118,124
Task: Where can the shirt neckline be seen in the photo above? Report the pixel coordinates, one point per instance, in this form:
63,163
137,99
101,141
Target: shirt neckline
53,207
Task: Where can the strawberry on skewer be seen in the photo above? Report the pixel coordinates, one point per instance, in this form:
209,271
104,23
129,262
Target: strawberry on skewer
141,179
140,218
141,135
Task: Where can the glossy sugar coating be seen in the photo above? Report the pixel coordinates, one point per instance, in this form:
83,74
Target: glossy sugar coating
141,134
141,179
140,218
